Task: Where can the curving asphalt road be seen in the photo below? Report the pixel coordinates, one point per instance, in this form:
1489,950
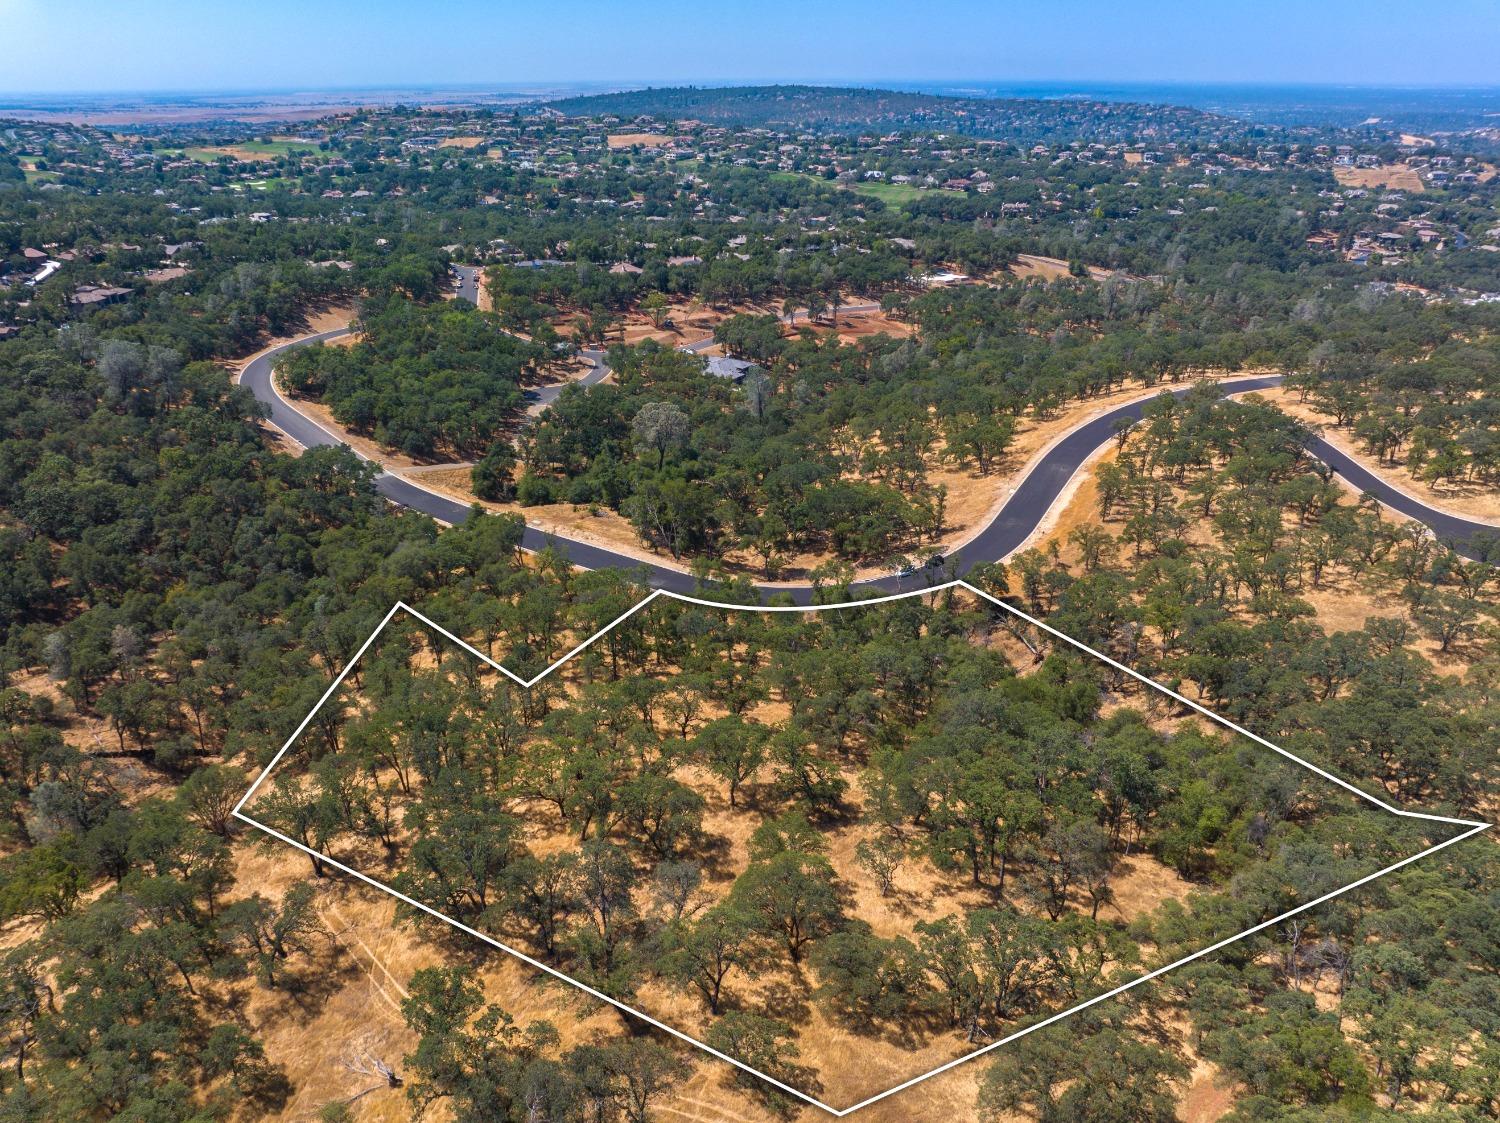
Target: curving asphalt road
1001,536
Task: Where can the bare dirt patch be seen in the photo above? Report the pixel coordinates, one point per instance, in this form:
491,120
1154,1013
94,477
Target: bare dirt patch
685,322
1397,176
645,140
1031,265
463,142
1207,1099
856,326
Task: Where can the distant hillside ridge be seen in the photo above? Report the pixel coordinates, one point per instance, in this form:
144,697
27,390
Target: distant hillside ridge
851,109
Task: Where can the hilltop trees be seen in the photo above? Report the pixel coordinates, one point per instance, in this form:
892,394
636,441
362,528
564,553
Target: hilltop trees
707,950
1098,1069
793,896
421,379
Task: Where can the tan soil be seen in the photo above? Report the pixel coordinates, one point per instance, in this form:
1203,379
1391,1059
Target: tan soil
1029,265
1342,604
645,140
251,155
463,142
1208,1097
381,956
486,297
1397,176
856,326
694,322
1461,497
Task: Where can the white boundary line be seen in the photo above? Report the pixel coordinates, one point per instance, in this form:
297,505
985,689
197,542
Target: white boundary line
1474,826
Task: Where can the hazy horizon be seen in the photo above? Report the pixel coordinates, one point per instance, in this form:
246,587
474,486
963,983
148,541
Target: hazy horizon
963,86
94,48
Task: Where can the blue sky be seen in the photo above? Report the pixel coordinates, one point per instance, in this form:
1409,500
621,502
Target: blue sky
113,45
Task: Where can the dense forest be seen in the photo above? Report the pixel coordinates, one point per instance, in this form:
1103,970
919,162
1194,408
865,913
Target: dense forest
830,446
420,378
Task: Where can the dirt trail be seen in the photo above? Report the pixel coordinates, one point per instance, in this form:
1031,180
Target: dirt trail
716,1111
338,934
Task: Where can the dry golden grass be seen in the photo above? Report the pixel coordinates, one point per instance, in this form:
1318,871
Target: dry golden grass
850,1063
463,142
1342,603
93,736
1461,497
1397,176
645,140
347,1003
1029,265
343,1001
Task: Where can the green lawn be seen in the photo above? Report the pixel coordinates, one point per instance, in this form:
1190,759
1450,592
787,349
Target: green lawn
891,194
249,148
897,194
